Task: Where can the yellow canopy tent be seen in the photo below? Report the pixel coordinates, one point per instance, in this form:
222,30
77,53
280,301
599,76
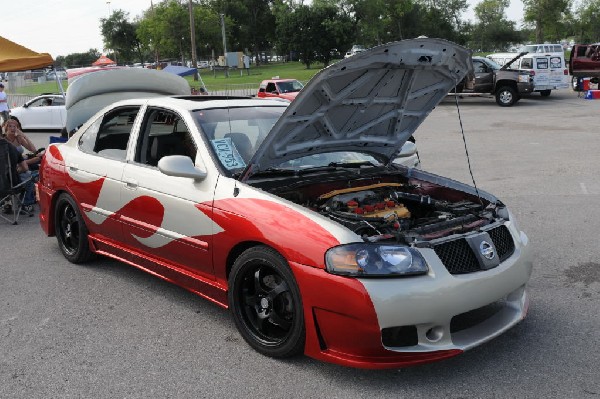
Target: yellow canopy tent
14,57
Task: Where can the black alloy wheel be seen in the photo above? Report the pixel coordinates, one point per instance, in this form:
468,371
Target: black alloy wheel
265,302
71,231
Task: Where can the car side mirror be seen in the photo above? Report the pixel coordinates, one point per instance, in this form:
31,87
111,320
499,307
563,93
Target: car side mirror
25,105
180,166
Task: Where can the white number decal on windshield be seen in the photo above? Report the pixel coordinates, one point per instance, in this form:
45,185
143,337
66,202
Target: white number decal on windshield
227,153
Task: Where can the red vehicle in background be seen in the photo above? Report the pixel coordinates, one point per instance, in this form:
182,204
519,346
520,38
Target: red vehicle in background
585,60
287,89
584,65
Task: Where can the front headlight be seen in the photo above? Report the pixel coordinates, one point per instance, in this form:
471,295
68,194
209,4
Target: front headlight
375,260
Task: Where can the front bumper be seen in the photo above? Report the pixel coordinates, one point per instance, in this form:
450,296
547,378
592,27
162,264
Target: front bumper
347,319
523,87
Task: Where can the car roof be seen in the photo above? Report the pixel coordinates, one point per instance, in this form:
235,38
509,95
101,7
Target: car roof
190,103
279,80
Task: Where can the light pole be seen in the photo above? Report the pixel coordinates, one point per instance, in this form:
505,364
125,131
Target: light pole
224,43
193,41
108,2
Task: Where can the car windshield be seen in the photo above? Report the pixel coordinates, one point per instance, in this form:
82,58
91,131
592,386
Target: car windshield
291,86
235,133
492,64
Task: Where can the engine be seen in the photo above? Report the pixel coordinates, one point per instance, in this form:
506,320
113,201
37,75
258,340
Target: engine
394,211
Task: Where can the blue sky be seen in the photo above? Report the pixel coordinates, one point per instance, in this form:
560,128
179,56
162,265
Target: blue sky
61,27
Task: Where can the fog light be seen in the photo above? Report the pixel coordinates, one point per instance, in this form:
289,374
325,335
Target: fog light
434,334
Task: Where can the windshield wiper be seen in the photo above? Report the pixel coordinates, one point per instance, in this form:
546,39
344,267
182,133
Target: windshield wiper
352,164
275,171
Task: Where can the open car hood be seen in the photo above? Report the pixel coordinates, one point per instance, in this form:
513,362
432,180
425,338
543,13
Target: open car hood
509,63
371,102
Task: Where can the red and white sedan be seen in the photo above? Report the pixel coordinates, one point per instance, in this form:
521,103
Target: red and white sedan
296,216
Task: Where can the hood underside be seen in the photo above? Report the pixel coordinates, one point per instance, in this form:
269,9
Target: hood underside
371,102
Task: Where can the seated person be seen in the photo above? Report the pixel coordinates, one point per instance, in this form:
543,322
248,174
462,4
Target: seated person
18,170
13,135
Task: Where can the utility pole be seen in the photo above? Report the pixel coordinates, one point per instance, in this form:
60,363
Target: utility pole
193,40
224,42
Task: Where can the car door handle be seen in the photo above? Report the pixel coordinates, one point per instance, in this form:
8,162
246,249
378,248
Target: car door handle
73,168
130,183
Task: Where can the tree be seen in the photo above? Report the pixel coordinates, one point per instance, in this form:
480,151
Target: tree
547,17
334,30
314,32
492,30
295,32
165,28
78,59
120,36
252,24
587,26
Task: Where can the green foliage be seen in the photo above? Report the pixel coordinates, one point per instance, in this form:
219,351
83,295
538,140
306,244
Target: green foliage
493,32
547,17
120,36
78,59
319,29
587,28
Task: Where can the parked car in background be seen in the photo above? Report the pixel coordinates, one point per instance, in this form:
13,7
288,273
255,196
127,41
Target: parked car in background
357,48
585,61
45,112
295,216
549,70
286,89
60,73
506,84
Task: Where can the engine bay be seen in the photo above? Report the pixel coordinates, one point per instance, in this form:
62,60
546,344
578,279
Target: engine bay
411,213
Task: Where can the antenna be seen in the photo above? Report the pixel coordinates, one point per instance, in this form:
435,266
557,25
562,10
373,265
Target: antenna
462,131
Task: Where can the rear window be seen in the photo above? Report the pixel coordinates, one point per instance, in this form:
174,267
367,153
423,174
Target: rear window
527,63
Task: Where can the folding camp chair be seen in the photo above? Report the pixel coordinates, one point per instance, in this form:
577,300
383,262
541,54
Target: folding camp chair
11,194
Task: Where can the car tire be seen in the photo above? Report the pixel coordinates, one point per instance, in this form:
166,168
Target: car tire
545,93
506,96
71,231
266,304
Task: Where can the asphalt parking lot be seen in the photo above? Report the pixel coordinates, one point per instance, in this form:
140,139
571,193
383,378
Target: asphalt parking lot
107,330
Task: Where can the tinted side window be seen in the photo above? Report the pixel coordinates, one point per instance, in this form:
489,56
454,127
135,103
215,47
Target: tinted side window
108,135
479,67
271,87
163,133
58,101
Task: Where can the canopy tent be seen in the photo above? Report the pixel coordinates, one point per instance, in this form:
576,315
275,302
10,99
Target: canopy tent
103,61
14,57
179,70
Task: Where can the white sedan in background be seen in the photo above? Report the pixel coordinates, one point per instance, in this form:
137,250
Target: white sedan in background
45,112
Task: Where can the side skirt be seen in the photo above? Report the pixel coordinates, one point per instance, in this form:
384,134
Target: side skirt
196,284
